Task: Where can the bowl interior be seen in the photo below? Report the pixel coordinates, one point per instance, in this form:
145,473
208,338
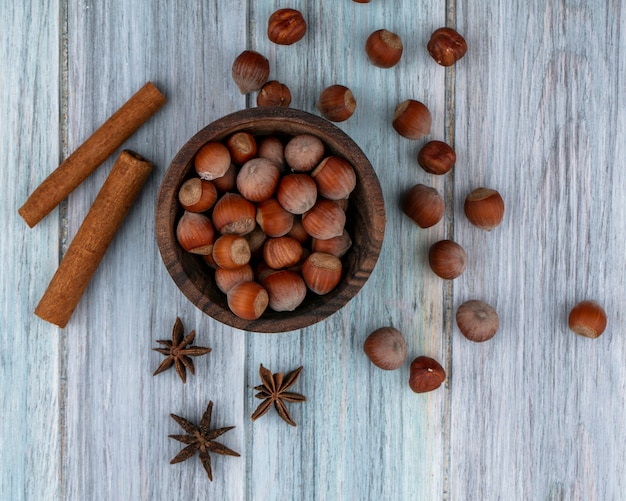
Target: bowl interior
365,220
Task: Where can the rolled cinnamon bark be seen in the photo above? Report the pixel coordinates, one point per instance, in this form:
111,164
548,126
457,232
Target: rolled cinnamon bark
89,155
93,238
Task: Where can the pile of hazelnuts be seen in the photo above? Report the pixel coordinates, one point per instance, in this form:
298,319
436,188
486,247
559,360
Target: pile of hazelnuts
269,217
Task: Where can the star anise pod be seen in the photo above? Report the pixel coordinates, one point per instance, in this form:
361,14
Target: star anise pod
200,438
274,391
179,350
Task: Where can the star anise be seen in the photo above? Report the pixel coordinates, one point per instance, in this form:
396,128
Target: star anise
200,438
179,350
274,391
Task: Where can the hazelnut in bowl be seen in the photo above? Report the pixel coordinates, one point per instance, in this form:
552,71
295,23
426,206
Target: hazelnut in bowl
283,238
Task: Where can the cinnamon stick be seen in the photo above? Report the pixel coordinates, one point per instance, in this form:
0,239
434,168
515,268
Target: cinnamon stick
89,155
93,238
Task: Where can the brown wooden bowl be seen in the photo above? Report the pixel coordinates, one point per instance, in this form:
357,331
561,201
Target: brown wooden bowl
365,220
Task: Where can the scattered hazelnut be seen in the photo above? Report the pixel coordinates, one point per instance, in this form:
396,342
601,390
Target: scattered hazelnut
335,178
411,119
281,252
587,319
383,48
426,375
234,214
324,220
274,93
273,219
477,320
303,152
321,272
225,279
197,195
231,251
336,103
446,46
286,290
447,259
212,161
247,300
386,348
242,147
484,208
250,71
257,179
195,233
286,26
297,193
337,246
424,205
436,157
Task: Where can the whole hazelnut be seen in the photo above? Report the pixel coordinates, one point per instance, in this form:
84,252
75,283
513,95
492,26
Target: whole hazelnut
587,319
335,178
484,208
195,233
286,26
386,348
273,219
297,193
477,320
231,251
273,149
281,252
286,290
446,46
436,157
324,220
337,246
197,195
336,103
248,300
424,205
212,161
447,259
274,93
257,179
234,214
227,182
225,279
303,152
250,71
242,147
411,119
426,374
321,272
383,48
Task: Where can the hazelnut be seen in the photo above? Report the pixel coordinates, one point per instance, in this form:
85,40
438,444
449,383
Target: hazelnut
256,238
234,214
247,300
298,232
424,205
447,259
228,181
484,208
273,149
274,93
273,219
386,348
242,147
286,26
212,161
587,319
336,103
303,152
208,259
231,251
436,157
446,46
286,290
321,272
225,279
297,193
197,195
257,179
411,119
337,246
335,178
426,375
195,233
477,320
324,220
250,71
383,48
281,252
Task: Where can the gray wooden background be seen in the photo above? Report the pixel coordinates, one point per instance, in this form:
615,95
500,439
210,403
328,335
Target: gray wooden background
537,110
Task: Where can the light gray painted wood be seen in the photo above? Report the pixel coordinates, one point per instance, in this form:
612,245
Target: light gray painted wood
535,110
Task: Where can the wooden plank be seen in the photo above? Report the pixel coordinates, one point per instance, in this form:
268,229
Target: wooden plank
117,413
362,434
30,350
537,411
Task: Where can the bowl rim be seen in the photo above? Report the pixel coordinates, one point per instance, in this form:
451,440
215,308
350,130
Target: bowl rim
252,119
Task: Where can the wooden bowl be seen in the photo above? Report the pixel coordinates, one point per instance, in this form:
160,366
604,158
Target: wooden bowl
365,220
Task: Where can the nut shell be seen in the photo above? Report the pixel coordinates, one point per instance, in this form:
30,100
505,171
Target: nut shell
303,152
424,205
321,272
273,219
226,279
326,219
336,103
231,252
274,93
234,214
250,71
335,178
484,208
383,48
257,179
195,233
197,195
282,252
286,290
436,157
412,120
247,300
426,375
587,319
447,259
386,348
242,147
297,193
212,161
477,320
337,246
286,26
446,46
